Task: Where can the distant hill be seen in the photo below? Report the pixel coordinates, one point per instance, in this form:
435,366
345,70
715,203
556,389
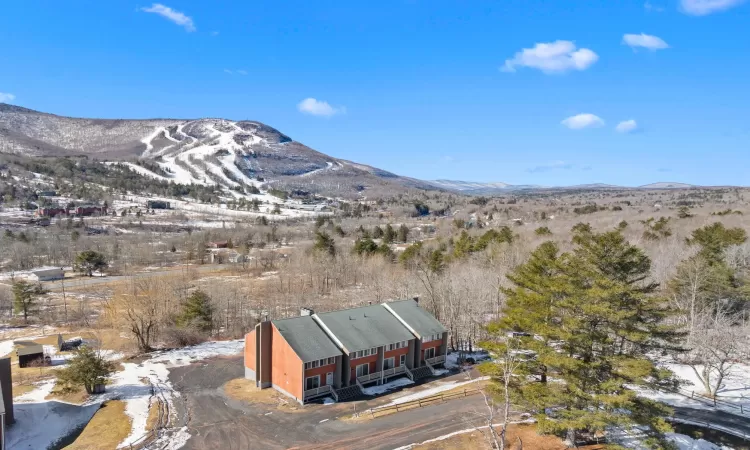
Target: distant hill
667,185
225,153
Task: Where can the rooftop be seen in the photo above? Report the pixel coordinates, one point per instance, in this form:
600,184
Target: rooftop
419,320
365,327
306,338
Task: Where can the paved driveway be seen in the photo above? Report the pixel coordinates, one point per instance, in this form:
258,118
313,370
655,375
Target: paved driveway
218,422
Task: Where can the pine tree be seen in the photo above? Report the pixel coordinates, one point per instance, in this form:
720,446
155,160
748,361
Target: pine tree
389,235
324,243
592,317
714,239
197,312
24,297
87,368
403,233
377,232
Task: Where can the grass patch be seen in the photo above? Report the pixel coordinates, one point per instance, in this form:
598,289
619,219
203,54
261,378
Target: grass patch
77,397
476,440
244,390
22,389
109,426
153,416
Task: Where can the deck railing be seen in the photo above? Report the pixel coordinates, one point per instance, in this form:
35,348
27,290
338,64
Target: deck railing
436,360
317,391
375,376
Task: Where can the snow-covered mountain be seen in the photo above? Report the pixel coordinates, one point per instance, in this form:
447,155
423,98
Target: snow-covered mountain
219,152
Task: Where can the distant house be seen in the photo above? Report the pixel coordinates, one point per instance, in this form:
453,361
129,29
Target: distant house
90,211
158,204
30,354
6,406
337,353
47,274
218,244
51,212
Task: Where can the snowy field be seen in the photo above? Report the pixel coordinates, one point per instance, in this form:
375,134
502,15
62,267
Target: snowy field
40,423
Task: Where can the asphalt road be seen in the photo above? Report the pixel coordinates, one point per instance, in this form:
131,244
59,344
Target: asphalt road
218,422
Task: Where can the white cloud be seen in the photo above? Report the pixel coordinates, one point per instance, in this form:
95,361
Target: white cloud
705,7
581,121
552,57
233,72
627,126
644,40
6,98
319,108
173,16
242,72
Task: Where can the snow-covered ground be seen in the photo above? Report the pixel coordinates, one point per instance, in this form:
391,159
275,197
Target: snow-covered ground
633,439
385,387
437,389
735,390
451,361
40,423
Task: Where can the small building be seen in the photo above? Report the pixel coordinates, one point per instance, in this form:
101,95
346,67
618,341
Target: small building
337,353
82,211
51,212
218,244
6,406
158,204
47,274
30,354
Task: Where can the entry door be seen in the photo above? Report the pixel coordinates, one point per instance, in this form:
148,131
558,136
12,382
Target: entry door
363,369
329,378
429,353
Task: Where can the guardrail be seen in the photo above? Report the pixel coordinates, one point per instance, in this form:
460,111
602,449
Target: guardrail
711,426
436,360
317,391
421,402
743,410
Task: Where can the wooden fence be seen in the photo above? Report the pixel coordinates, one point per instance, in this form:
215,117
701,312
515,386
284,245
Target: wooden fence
421,402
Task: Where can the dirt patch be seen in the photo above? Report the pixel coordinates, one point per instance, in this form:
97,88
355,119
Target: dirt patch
476,440
109,426
244,390
22,389
76,397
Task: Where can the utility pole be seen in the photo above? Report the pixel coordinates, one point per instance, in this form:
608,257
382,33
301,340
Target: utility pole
65,303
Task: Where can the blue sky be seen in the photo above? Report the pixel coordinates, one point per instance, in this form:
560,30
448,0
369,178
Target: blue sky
429,89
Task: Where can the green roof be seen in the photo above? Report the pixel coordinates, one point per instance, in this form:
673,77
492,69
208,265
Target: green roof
306,338
365,327
419,320
29,350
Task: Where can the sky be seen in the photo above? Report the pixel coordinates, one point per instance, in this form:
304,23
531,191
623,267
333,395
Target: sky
518,91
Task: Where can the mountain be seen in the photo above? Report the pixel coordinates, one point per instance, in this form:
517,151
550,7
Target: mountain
667,185
219,152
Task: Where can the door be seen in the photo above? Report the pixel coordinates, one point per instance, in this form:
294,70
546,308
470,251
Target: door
402,360
329,379
429,353
362,370
388,363
312,382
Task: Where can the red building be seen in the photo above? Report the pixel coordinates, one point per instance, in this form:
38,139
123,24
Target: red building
338,353
51,212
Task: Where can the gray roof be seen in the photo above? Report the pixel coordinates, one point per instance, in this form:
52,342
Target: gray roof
306,338
365,327
422,322
29,350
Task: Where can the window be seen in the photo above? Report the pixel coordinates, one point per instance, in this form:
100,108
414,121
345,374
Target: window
312,382
427,339
319,363
363,369
374,351
429,353
432,337
389,363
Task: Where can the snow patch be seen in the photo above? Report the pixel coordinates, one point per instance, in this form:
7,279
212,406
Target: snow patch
391,385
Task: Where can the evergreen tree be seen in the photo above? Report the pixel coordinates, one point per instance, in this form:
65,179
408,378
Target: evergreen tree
88,261
377,232
592,317
714,239
365,246
389,235
403,233
24,297
197,312
324,243
87,368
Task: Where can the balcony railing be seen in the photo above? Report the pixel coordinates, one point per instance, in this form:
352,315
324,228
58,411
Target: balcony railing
317,391
436,360
382,374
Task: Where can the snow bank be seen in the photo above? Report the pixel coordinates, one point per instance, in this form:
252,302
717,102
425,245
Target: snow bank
385,387
441,387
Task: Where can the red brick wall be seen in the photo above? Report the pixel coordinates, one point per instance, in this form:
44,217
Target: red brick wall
250,350
395,354
286,367
322,371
